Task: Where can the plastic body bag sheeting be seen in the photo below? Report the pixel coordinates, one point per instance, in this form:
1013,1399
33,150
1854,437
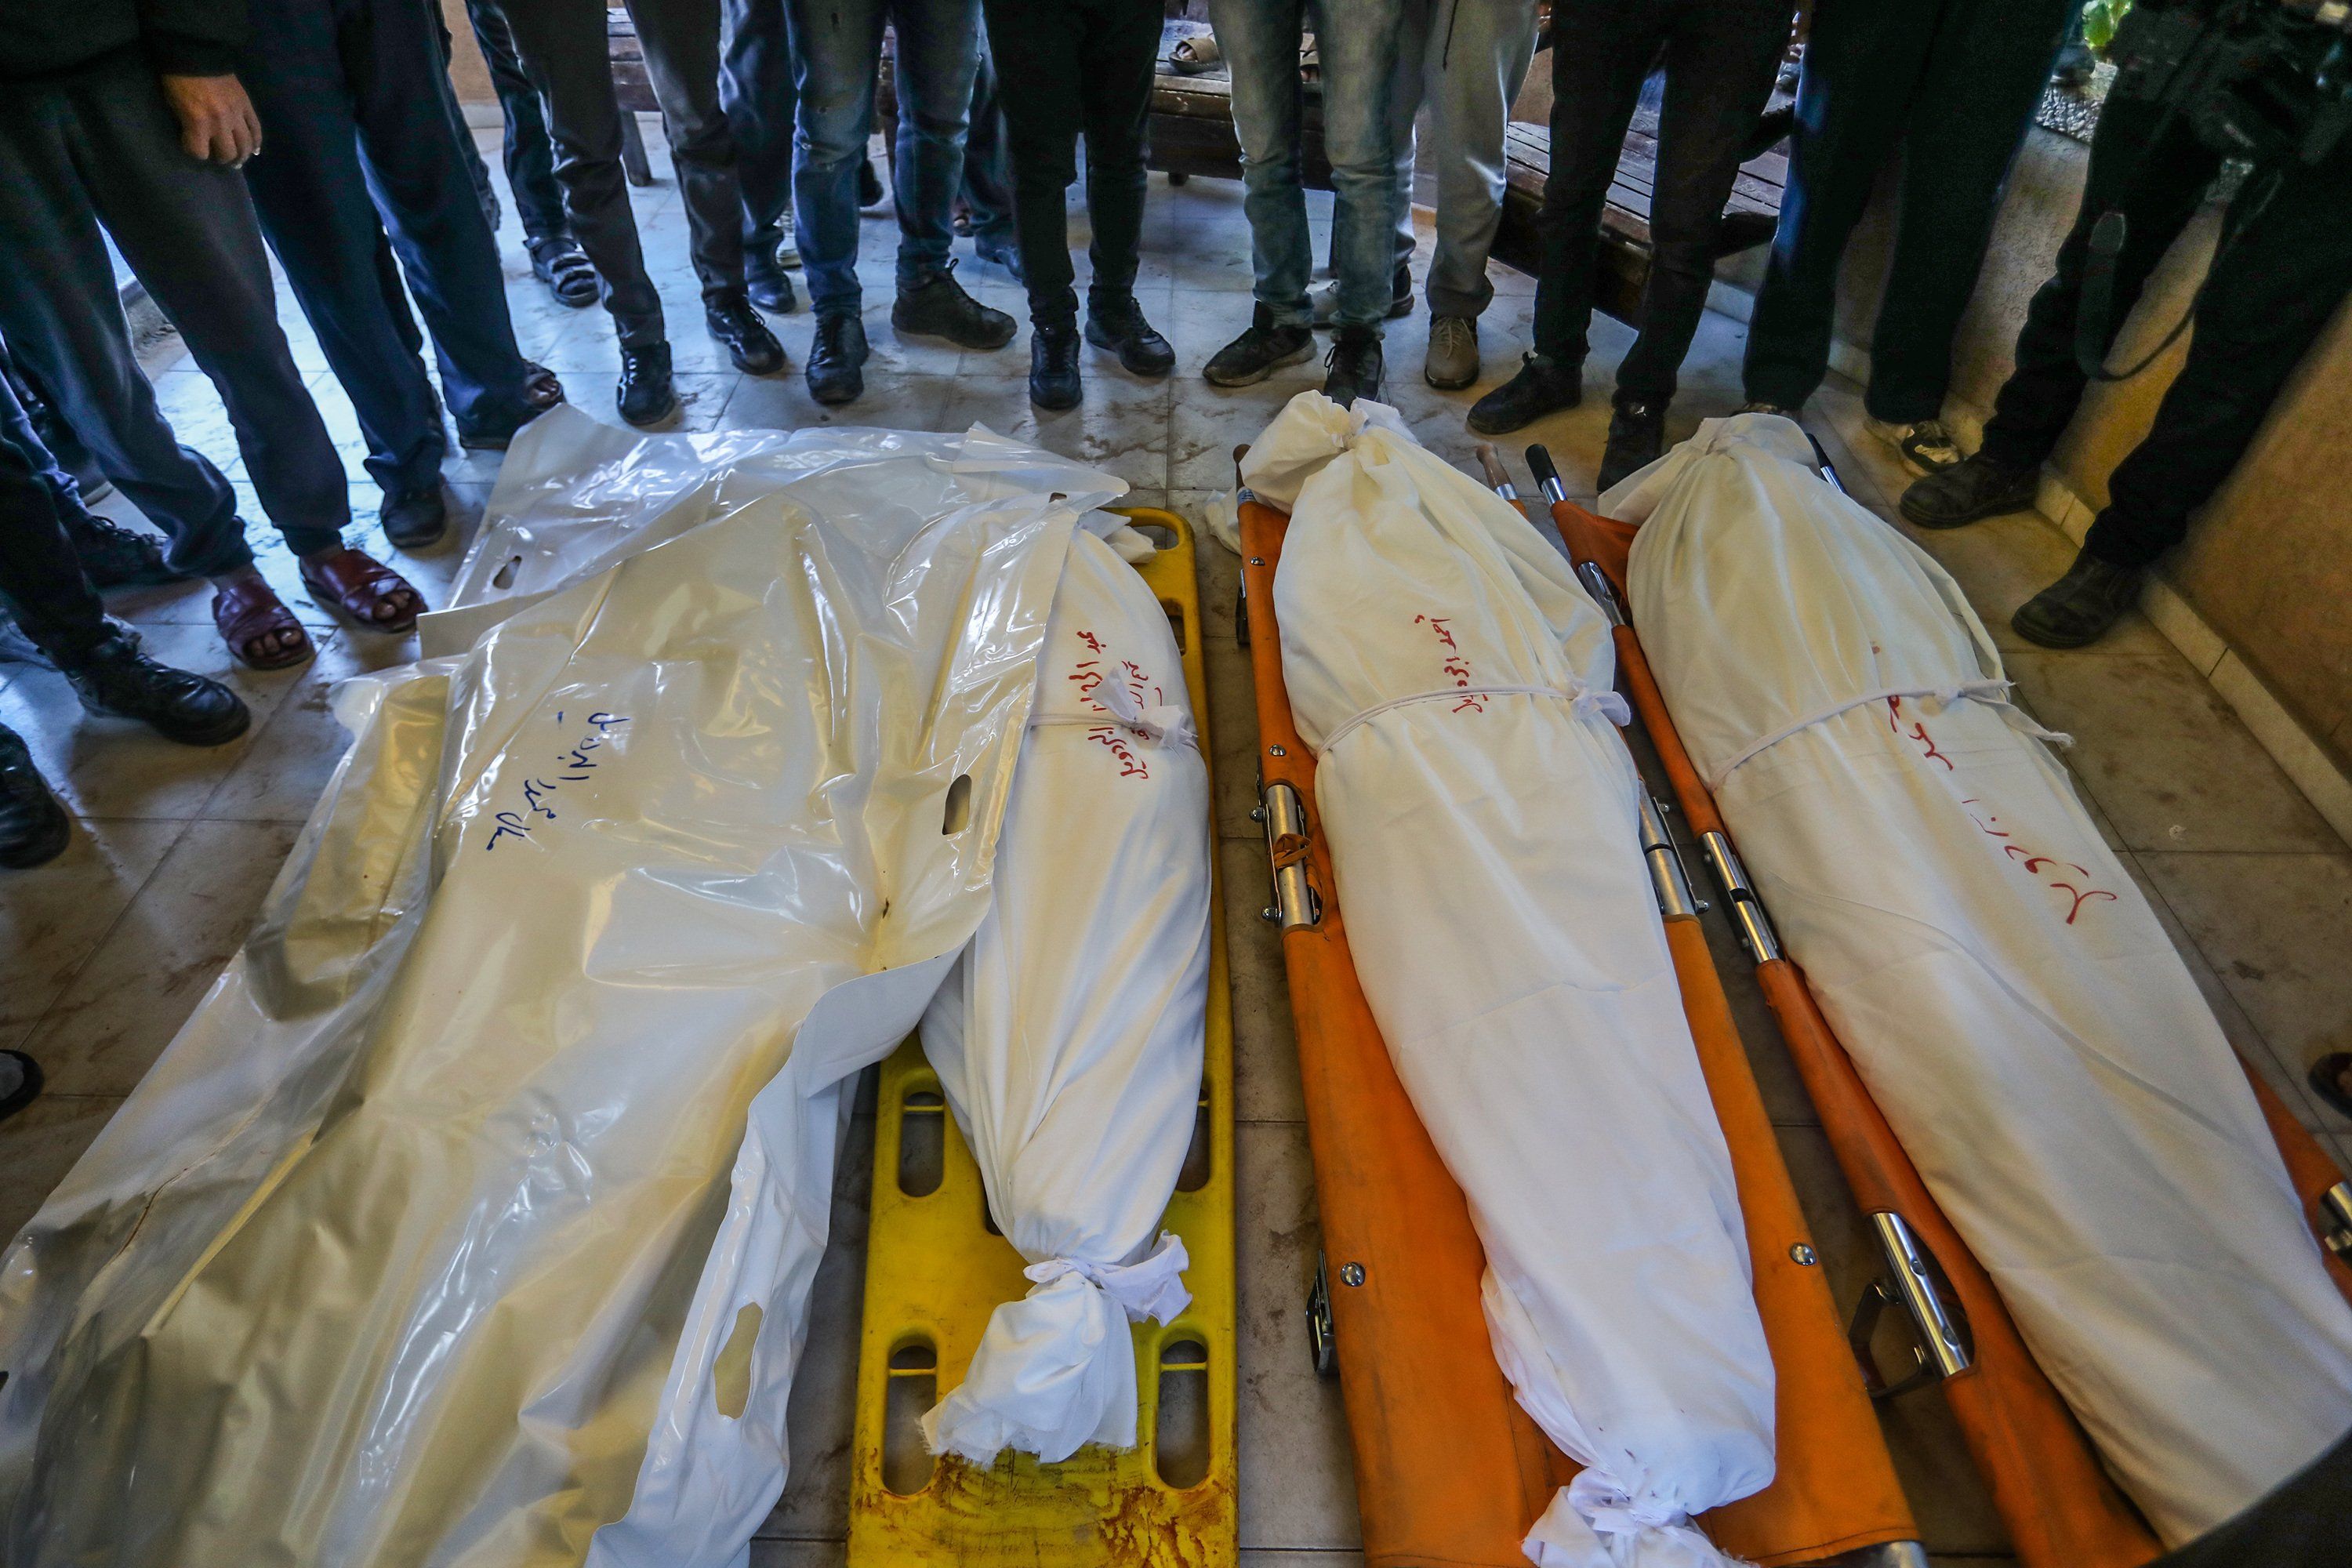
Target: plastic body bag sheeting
1069,1038
1481,810
470,1219
2003,988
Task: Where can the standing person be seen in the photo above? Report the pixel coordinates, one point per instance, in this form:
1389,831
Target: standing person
561,43
985,197
1720,58
556,258
1951,82
1068,66
1466,60
111,555
938,53
759,88
132,108
1259,40
350,97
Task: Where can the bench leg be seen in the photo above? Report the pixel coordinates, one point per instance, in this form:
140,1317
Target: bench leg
633,151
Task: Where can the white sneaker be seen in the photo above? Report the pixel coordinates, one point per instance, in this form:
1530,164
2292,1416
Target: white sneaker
788,250
1452,362
1925,445
1324,298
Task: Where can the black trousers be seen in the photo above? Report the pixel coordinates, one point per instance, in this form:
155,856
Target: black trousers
530,154
1065,68
2299,1525
758,87
1953,82
41,580
2284,268
1720,58
563,49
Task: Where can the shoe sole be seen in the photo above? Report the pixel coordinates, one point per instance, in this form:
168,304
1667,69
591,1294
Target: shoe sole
1450,383
1306,351
835,397
2002,508
417,542
219,737
1493,429
1110,346
56,833
2043,639
652,421
1011,329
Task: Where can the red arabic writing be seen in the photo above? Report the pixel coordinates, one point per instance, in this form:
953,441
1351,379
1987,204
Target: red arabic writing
1456,668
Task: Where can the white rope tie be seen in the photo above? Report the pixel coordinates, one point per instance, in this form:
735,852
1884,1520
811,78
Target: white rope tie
1992,694
1165,724
1583,702
1152,1288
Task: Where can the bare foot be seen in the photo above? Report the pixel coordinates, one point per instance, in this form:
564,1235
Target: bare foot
258,627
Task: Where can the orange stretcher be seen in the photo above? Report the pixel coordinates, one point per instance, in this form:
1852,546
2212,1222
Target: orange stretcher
1449,1471
2061,1508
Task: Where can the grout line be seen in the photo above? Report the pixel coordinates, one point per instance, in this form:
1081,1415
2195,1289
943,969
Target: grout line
65,988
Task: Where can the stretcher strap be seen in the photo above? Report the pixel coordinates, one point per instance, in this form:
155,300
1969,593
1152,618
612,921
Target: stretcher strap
1153,1288
1583,702
1166,724
1992,694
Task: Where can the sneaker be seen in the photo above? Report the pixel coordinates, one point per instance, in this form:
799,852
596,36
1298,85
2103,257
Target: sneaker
1637,433
2077,609
1543,386
1054,366
643,394
837,358
1325,299
414,518
1453,360
1352,369
788,245
1968,490
1926,447
940,309
33,828
1258,353
737,329
116,680
113,556
1118,325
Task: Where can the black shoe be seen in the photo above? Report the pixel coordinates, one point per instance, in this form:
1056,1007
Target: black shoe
414,518
1972,489
1054,366
558,261
1118,325
746,338
1543,386
116,680
2077,609
940,309
1258,353
1637,433
869,185
1005,253
644,395
113,556
1352,368
28,1075
2328,1079
836,359
771,288
32,824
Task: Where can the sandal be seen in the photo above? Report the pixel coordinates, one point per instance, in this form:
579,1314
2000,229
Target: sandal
349,582
564,268
247,613
1195,56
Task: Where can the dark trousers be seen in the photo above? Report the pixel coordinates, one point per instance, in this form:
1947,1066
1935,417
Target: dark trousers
103,148
2299,1525
530,154
1064,68
41,580
759,90
987,189
2283,269
1721,56
17,429
356,141
562,46
1952,81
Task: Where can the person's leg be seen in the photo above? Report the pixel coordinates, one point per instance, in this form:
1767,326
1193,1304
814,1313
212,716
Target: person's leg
1985,72
1862,64
681,43
1118,61
1359,57
1422,28
1042,44
562,48
840,44
939,47
987,189
1474,73
1259,40
42,585
478,174
17,428
1601,54
757,93
530,156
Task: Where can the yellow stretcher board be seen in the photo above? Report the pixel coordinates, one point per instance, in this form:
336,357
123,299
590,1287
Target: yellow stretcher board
936,1269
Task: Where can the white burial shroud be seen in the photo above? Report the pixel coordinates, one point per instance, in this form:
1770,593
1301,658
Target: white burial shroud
1069,1038
2002,986
472,1218
1480,808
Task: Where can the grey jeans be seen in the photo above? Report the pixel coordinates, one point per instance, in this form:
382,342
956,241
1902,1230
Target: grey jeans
1466,60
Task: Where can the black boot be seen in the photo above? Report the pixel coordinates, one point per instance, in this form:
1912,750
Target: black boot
113,556
1972,489
644,395
1118,325
1637,433
836,360
116,680
1543,386
32,824
2077,609
1054,366
768,285
414,518
1352,368
738,328
940,309
1258,353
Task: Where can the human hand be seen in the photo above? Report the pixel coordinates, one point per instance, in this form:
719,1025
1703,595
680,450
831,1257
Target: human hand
217,123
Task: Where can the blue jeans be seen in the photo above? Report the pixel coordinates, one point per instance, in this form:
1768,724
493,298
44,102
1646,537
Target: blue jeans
757,89
840,45
1357,39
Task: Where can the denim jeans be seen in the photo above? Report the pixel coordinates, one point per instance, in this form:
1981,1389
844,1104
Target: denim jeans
759,88
1466,60
1260,42
841,44
530,154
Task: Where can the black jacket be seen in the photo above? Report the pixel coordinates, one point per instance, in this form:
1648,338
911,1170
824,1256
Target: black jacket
179,37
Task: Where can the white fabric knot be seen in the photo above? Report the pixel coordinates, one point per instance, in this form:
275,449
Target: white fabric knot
1165,724
1594,1522
1152,1288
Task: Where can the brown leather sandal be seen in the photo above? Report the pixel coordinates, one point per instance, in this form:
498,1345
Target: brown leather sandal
351,583
247,613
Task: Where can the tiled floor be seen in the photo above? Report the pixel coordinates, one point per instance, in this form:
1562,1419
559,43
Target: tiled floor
104,952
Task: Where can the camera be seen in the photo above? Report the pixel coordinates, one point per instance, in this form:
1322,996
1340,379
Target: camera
2266,81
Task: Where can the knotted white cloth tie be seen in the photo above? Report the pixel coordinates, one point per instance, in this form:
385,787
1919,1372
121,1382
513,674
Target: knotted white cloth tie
1165,724
1152,1288
1594,1524
1583,701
